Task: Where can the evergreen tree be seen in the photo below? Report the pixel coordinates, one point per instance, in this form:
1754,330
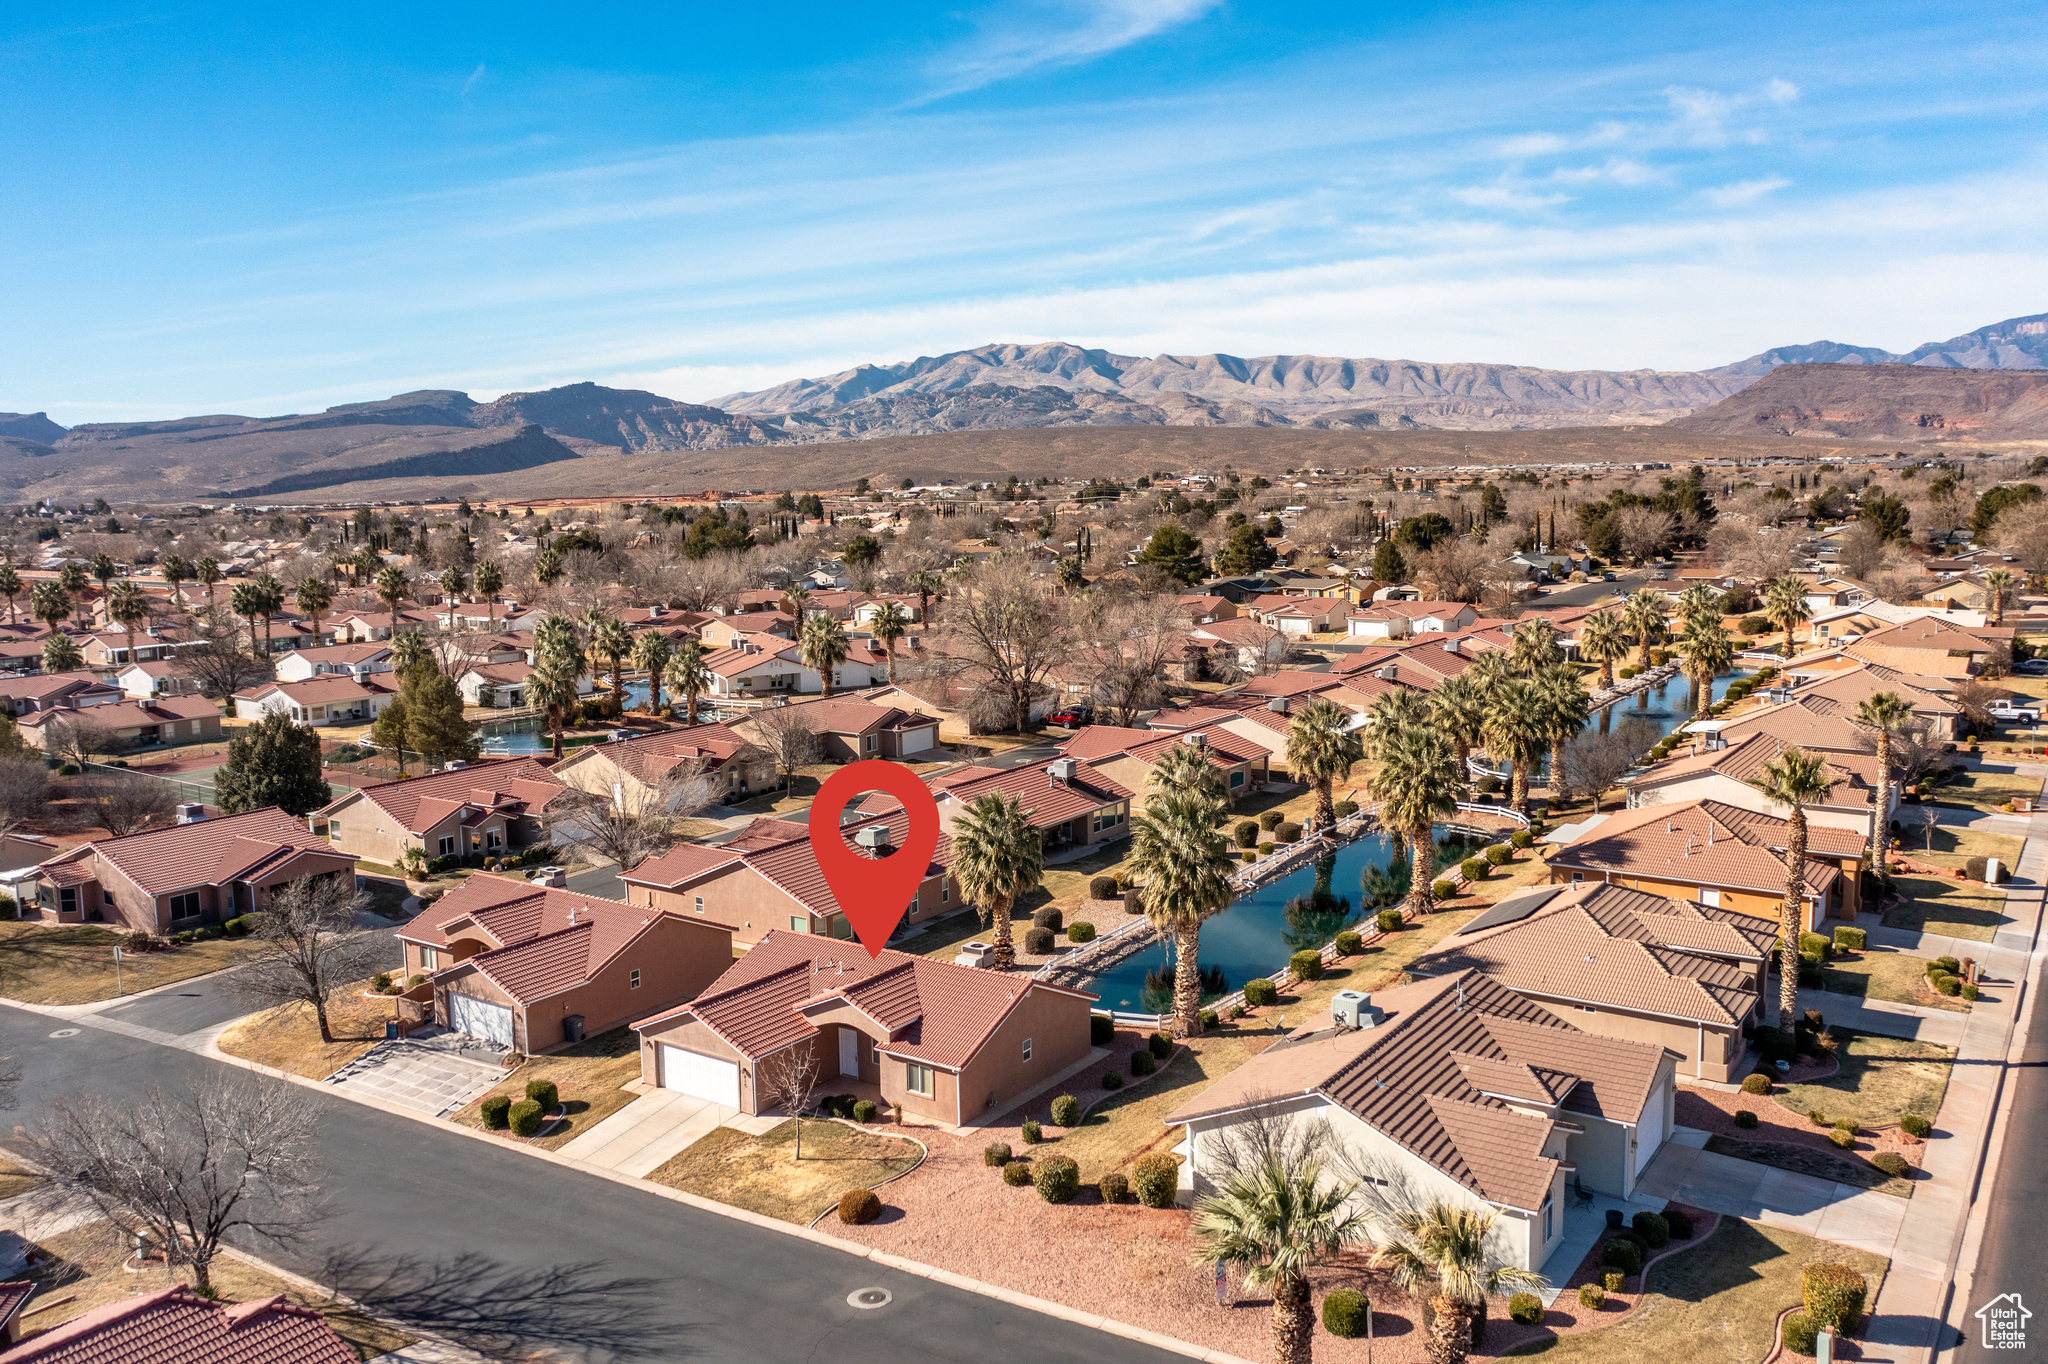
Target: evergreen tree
434,727
1387,564
1174,552
1246,551
276,763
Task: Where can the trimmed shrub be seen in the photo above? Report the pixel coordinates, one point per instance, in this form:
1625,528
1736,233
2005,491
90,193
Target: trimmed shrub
1842,1140
1388,920
1474,868
1969,990
1103,888
1039,942
1756,1084
1247,833
1679,1223
1160,1045
1499,855
1271,819
1032,1132
1612,1280
1058,1179
525,1118
1017,1173
864,1110
1893,1164
1947,984
1591,1295
1113,1080
1443,890
1344,809
494,1110
1623,1255
238,927
1265,849
1522,838
1659,657
858,1207
544,1093
379,982
1306,964
1080,931
1349,944
1626,673
1773,1045
1488,785
1813,944
1833,1295
1816,1117
1154,1178
1745,1119
996,1153
1755,625
1142,1063
1048,917
1260,992
1208,1017
1525,1308
1344,1313
1101,1030
1802,1337
1913,1125
1287,832
1849,939
1114,1187
1652,1228
1948,964
1066,1111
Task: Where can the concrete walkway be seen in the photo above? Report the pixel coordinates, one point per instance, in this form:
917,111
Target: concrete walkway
1583,1228
645,1134
1821,1208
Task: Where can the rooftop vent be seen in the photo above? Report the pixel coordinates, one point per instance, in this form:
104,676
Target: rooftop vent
191,812
875,837
1063,770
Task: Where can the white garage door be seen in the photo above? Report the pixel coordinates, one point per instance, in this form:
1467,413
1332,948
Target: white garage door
481,1018
1650,1134
918,740
704,1077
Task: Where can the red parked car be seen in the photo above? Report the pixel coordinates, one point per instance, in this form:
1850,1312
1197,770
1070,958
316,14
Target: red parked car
1073,717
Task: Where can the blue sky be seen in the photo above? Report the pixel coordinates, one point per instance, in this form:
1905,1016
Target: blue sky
215,208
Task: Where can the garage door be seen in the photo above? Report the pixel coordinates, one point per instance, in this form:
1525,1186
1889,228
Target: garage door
703,1077
481,1018
918,740
1650,1134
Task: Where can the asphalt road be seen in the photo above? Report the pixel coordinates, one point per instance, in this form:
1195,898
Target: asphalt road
205,1003
1585,594
2009,1260
468,1237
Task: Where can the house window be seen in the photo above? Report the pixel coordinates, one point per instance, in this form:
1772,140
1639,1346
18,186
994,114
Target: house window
700,903
1547,1232
1237,779
871,742
106,896
1710,898
447,845
185,906
1027,1049
493,839
67,900
945,892
430,958
799,924
633,982
918,1079
1577,877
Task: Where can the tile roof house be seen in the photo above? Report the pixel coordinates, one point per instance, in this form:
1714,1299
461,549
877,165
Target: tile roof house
532,969
1717,855
484,808
137,724
347,660
332,699
1927,646
1457,1088
1722,770
1930,698
502,685
142,681
1392,619
948,1043
768,878
166,880
1129,755
177,1324
1815,728
629,771
851,729
1072,803
56,691
1623,963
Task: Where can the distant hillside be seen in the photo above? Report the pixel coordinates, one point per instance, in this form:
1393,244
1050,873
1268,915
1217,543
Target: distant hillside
2016,343
1892,402
30,426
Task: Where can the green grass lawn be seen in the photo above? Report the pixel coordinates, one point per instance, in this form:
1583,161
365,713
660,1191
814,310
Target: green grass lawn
1956,909
1717,1303
1881,1080
1885,973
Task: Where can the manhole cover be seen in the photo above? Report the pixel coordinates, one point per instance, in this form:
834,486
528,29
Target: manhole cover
868,1297
65,1032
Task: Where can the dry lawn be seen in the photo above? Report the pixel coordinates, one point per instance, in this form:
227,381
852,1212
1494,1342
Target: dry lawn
1880,1081
763,1175
588,1076
74,963
16,1180
1956,909
1983,789
1887,973
1955,846
288,1036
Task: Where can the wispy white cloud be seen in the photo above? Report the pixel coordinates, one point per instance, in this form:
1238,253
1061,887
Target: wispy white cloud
1020,38
1743,191
475,79
1506,196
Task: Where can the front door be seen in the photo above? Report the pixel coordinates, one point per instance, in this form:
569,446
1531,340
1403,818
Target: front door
849,1053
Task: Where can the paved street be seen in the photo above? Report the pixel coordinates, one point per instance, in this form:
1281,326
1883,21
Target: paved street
450,1230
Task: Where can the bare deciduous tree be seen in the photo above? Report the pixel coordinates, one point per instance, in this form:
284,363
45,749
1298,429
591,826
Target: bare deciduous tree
791,1084
78,738
1592,762
310,947
124,804
1122,642
1004,628
232,1156
1643,531
785,735
1752,550
626,827
1457,569
24,789
217,660
2022,532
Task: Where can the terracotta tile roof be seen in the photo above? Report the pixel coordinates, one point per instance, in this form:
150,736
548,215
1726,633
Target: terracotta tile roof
314,691
1705,843
1852,776
46,686
1099,741
935,1012
653,755
731,662
1846,688
1048,801
1803,726
129,714
345,653
418,804
211,852
857,717
176,1324
12,1296
683,863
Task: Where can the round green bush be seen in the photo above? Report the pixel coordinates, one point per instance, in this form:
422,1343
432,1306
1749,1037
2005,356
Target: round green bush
1756,1084
1160,1045
1591,1295
1080,931
525,1116
1208,1017
1017,1173
1344,809
1489,785
1142,1063
1525,1308
996,1153
1802,1337
1114,1187
1058,1179
1388,920
1113,1079
1679,1223
1032,1132
858,1207
1754,625
544,1093
1843,1140
1612,1280
1066,1111
1103,888
1443,890
1816,1117
1948,964
1969,989
1474,868
1344,1313
1499,855
864,1110
494,1109
1101,1030
1745,1119
1306,964
1287,831
381,982
1154,1178
1946,983
1038,942
1265,849
1349,944
1892,1163
1048,917
1247,833
1522,838
1271,819
1913,1125
1623,1255
1260,992
1652,1228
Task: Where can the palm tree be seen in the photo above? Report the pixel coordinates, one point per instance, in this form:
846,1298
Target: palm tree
1491,670
270,599
890,623
72,579
1785,606
409,650
1603,638
927,585
1697,601
1796,779
997,856
650,655
1709,652
10,588
557,671
687,675
1535,647
313,597
392,587
49,603
176,572
1275,1221
1643,616
547,567
489,581
1999,586
1322,750
1175,846
1457,712
452,581
1442,1250
127,608
61,655
102,568
247,602
1393,712
793,597
1186,767
1416,785
1886,716
1516,731
207,571
1565,708
612,641
822,645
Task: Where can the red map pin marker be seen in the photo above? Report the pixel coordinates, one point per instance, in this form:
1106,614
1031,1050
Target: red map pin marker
874,891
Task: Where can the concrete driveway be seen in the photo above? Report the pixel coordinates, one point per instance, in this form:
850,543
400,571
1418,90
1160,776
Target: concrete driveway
428,1074
642,1136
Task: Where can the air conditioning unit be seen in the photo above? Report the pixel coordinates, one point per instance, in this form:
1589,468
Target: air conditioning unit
1353,1009
1063,770
874,838
1197,740
1278,705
